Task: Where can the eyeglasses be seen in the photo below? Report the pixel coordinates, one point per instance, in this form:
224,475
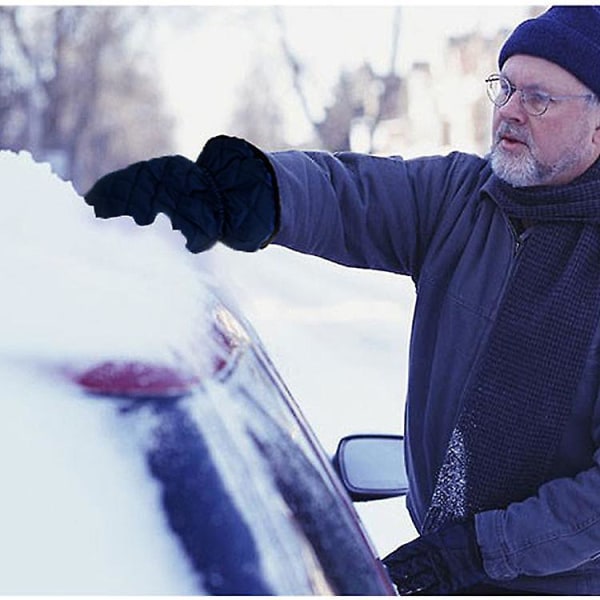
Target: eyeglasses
535,103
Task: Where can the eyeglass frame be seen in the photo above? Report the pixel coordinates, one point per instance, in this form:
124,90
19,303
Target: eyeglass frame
523,93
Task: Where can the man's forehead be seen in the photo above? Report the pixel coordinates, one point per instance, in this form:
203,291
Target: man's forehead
538,72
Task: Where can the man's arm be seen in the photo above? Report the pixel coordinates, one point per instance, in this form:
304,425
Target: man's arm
555,531
355,209
359,210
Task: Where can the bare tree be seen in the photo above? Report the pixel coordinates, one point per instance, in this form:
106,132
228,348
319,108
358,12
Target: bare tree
296,69
75,91
362,97
259,118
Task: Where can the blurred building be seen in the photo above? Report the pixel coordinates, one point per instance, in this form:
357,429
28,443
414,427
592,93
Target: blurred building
443,106
436,107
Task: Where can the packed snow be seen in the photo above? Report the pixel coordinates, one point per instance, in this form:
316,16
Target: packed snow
338,336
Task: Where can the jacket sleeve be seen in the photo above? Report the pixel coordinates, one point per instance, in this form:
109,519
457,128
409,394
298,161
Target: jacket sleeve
360,210
553,532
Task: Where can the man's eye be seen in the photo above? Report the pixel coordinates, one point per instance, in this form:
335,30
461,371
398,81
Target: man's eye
538,96
537,99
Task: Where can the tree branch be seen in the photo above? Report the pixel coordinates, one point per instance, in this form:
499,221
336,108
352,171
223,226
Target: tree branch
296,69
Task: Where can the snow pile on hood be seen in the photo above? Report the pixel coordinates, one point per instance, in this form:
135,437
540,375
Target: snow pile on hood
75,286
79,513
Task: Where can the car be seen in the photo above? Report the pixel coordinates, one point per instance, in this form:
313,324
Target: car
149,445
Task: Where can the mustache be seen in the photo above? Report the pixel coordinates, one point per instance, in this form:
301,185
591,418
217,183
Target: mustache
513,132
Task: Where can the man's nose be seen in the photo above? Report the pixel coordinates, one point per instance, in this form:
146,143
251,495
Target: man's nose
513,110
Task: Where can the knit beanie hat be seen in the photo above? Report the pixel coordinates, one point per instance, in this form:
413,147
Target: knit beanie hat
568,36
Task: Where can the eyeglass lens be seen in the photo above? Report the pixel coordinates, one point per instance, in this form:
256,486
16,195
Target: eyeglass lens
500,90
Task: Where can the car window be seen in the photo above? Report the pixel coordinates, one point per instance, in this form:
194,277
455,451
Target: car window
301,474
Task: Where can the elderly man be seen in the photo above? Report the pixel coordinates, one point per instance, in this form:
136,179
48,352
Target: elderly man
503,411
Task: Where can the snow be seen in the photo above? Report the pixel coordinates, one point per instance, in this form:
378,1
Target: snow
78,512
42,216
338,336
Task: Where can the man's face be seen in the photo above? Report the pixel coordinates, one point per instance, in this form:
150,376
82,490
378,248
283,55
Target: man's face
550,149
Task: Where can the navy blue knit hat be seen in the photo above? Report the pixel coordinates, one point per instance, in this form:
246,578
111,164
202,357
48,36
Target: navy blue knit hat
568,36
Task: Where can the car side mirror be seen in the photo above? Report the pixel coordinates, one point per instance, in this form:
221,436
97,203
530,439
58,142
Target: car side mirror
372,466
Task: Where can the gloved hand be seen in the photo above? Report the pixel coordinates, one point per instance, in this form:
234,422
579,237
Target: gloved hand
227,195
439,563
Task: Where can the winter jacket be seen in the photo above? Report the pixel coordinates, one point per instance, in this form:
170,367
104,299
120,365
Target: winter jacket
434,220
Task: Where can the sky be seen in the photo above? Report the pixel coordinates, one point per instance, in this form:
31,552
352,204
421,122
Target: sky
326,37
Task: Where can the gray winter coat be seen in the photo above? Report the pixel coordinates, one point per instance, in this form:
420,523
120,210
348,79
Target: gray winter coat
432,219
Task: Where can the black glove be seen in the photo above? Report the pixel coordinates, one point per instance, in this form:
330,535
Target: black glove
228,195
439,563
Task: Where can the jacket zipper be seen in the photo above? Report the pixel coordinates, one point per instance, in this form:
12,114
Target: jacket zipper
518,238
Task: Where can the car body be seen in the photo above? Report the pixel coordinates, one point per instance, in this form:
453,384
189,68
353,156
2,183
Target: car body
149,445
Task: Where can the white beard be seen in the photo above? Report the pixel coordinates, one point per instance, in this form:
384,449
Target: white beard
525,169
519,171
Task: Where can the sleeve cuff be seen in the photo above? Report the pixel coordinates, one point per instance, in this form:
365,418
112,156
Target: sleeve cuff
492,543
